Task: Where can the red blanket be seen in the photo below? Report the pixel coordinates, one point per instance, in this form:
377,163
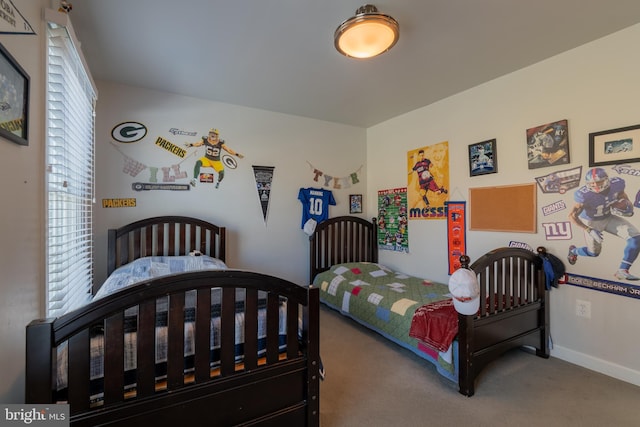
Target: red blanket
435,324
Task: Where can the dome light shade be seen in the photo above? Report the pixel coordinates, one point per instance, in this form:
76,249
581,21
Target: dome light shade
367,34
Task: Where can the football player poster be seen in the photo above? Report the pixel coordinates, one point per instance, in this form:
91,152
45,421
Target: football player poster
548,145
428,181
393,233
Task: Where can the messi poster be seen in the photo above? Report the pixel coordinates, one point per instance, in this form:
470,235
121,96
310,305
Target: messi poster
393,233
428,181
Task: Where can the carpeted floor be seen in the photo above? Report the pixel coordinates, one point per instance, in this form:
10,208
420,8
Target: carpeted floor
372,382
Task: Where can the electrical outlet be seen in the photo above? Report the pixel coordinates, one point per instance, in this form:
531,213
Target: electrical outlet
583,308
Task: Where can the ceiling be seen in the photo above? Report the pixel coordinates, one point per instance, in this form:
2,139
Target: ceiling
278,55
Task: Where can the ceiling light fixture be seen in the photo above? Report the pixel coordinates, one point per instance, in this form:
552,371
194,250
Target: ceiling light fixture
367,34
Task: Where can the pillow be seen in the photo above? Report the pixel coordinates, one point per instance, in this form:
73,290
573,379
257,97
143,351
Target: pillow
156,266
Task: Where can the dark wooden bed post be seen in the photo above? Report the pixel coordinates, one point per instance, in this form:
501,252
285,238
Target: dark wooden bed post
543,349
465,346
40,354
311,324
466,375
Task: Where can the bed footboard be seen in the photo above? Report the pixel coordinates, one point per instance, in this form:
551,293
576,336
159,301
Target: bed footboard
225,388
515,312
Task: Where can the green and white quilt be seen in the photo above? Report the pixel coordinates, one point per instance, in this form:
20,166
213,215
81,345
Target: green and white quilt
385,301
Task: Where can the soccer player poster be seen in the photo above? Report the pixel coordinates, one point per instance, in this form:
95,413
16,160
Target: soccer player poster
428,181
393,232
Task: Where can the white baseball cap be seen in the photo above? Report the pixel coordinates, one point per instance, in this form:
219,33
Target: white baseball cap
310,226
464,288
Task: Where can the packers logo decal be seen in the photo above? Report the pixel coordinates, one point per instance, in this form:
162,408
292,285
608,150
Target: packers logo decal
128,132
229,162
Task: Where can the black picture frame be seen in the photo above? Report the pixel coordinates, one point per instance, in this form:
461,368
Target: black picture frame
614,146
14,99
483,158
355,203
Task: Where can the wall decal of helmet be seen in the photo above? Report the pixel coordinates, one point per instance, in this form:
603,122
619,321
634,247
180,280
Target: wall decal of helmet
602,207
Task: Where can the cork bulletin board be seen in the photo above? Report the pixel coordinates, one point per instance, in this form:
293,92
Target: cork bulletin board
503,208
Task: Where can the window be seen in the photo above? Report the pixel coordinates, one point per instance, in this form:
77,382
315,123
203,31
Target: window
71,100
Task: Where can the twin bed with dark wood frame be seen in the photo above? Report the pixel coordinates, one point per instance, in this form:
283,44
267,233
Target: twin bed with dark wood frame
512,282
279,388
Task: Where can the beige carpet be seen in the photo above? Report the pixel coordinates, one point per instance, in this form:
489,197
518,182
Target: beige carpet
372,382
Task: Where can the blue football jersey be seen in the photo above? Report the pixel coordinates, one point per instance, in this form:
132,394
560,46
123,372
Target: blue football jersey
315,204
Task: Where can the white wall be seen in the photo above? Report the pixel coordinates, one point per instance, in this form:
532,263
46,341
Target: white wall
595,87
288,143
21,214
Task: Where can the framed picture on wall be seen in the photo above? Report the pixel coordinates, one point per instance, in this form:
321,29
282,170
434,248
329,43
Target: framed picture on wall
355,203
14,99
610,147
483,158
548,145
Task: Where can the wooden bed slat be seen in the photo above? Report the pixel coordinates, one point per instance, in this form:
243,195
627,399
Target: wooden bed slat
251,329
175,347
292,330
273,328
114,358
145,345
203,334
77,379
191,238
227,332
171,239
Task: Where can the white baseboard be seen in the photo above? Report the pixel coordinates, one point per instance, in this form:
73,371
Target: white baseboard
602,366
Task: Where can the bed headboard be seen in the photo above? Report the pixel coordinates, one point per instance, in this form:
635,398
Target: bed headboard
164,236
342,239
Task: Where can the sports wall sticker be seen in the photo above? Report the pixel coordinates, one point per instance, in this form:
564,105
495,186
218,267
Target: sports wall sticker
335,182
168,177
119,203
428,181
212,157
212,153
560,181
594,211
393,230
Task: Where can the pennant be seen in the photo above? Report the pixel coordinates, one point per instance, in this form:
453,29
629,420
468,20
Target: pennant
264,177
456,233
12,21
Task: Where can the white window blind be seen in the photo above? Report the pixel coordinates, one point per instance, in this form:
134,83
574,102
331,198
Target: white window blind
70,175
